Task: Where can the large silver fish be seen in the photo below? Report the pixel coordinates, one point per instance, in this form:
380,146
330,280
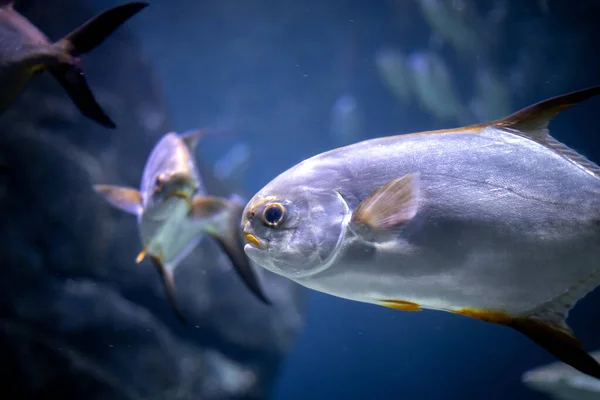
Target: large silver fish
174,213
25,51
495,221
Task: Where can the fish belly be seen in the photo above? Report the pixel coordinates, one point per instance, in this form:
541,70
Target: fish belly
174,238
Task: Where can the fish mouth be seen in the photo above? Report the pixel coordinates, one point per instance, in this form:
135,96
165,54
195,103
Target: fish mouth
181,195
253,241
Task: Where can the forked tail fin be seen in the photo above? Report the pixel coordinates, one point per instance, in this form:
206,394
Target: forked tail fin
81,41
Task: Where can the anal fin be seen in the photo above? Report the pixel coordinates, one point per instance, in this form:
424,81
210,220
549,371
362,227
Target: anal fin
169,285
554,336
560,341
401,305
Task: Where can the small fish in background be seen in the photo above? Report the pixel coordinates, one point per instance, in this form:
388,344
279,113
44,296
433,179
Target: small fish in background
346,120
392,69
174,214
434,87
449,21
25,51
495,221
233,165
562,382
492,98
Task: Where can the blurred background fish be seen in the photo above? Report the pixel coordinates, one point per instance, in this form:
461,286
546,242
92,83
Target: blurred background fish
491,98
450,21
559,381
394,73
347,123
435,89
233,166
174,213
26,51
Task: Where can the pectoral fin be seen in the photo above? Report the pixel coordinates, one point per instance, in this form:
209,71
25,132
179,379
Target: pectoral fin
389,207
123,198
169,284
222,221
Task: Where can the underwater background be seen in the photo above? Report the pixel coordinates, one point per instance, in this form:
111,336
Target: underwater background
284,80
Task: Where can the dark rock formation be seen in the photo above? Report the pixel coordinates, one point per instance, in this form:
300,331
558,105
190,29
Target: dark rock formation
79,319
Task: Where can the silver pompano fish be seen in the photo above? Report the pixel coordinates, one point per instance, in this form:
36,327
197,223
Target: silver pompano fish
174,213
562,382
496,221
26,51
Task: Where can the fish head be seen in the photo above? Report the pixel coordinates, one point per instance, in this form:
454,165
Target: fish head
294,225
170,177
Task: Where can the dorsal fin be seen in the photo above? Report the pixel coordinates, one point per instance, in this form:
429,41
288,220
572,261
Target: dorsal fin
532,122
192,137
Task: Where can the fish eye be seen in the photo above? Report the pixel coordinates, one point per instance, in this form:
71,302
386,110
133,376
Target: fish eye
159,182
273,214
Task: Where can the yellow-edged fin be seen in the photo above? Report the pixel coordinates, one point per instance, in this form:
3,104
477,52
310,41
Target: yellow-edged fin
389,207
123,198
401,305
554,336
532,122
142,254
221,219
169,284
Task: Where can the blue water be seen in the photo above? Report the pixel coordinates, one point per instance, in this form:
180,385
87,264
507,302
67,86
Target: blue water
279,94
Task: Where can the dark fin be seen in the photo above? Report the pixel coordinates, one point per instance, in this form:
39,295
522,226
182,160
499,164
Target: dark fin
533,121
560,341
72,80
94,31
551,333
401,305
123,198
389,207
169,284
225,228
80,41
192,137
